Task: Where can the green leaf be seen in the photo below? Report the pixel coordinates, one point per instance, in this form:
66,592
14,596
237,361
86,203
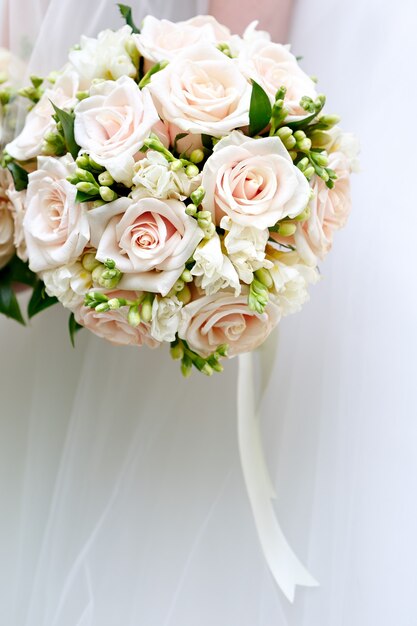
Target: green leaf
207,141
40,300
259,110
126,13
67,121
73,327
20,272
20,176
9,305
85,197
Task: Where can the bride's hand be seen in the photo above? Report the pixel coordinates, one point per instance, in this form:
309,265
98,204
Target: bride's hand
273,15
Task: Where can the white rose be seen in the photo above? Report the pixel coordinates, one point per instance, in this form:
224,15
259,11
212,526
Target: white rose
222,318
213,270
245,246
166,314
272,66
112,124
6,221
291,279
103,57
29,143
153,176
162,40
150,240
253,181
202,91
17,206
56,227
68,283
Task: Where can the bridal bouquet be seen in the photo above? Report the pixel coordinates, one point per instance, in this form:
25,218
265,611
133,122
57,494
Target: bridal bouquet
174,184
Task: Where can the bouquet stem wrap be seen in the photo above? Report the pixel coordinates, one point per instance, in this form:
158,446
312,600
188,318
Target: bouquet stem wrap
284,565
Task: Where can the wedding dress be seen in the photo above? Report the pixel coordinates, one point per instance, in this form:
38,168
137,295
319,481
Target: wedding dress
122,497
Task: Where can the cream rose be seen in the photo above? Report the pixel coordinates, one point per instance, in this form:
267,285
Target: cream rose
330,210
272,65
29,143
6,221
162,40
253,181
150,240
112,124
202,91
210,321
55,226
114,326
17,206
103,57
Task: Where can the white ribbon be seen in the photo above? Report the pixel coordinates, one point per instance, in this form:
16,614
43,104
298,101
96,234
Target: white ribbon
285,567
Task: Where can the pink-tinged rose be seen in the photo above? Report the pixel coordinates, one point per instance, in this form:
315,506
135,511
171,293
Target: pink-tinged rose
221,318
220,33
184,144
202,91
253,181
113,325
6,221
330,210
150,240
17,206
113,123
55,225
162,40
39,122
272,65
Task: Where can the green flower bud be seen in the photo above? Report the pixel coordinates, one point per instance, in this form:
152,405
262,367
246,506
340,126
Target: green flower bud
299,134
107,194
186,366
308,173
304,144
320,158
177,351
222,350
186,276
320,139
207,370
89,262
284,132
184,295
286,229
197,196
82,161
192,171
133,317
146,310
88,188
209,231
109,279
105,179
302,217
179,285
328,121
191,210
97,272
82,95
303,164
95,296
197,156
264,276
176,165
85,176
114,304
94,165
103,307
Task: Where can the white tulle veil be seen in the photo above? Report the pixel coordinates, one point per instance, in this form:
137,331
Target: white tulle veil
123,501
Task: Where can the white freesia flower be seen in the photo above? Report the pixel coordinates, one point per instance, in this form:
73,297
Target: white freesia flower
113,123
166,315
153,176
39,122
103,57
291,279
348,144
213,269
68,283
245,246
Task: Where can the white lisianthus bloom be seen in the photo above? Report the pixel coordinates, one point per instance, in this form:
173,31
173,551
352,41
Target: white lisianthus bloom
213,269
253,181
153,176
68,283
103,57
291,279
245,247
39,121
113,123
166,315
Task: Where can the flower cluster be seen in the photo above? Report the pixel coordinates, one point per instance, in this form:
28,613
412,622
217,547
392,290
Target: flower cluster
178,184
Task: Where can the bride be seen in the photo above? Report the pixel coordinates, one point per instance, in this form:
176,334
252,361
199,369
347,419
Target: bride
123,501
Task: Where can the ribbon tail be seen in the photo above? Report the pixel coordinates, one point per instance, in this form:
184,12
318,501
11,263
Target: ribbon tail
284,565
